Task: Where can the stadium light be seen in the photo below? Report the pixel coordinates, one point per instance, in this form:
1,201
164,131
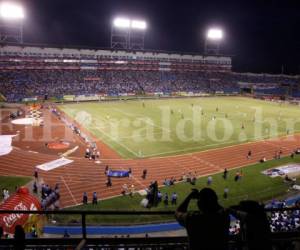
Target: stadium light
137,24
11,11
215,34
128,33
121,23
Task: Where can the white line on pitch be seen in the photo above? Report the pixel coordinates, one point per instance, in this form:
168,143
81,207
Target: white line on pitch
114,140
142,118
69,190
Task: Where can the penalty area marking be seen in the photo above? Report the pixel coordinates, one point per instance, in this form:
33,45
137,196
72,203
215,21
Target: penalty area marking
117,142
140,118
140,136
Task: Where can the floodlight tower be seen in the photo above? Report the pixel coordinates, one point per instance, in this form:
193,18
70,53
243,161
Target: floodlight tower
127,34
137,35
11,22
213,39
119,38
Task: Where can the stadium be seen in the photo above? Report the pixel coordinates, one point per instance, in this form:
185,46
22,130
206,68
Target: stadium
103,144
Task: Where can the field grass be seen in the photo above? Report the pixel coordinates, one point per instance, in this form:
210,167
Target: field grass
11,182
253,185
147,128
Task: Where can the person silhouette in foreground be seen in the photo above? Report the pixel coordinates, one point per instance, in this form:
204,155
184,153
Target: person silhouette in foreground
255,227
19,238
207,228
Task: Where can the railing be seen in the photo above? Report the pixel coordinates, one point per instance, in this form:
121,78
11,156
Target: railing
84,214
108,243
103,243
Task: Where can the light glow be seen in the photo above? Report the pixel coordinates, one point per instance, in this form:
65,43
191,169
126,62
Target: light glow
215,34
120,62
136,24
122,23
126,23
11,11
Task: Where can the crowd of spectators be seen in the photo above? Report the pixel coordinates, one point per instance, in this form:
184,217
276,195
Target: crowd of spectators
285,221
169,182
92,152
189,177
279,221
50,197
154,197
264,78
16,85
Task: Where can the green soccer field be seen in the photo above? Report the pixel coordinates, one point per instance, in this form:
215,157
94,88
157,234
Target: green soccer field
148,128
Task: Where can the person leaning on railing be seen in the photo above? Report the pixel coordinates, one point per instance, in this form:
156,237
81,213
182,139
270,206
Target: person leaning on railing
255,227
207,228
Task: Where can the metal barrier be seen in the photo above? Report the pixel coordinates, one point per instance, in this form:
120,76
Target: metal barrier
279,240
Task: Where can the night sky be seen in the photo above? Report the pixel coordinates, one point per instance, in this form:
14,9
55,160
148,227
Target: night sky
260,35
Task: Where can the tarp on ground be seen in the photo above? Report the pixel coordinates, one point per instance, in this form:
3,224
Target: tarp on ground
5,144
54,164
283,170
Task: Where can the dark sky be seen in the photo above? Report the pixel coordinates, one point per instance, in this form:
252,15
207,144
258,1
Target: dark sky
261,35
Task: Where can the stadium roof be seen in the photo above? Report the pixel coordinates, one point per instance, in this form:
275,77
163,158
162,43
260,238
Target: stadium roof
79,47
